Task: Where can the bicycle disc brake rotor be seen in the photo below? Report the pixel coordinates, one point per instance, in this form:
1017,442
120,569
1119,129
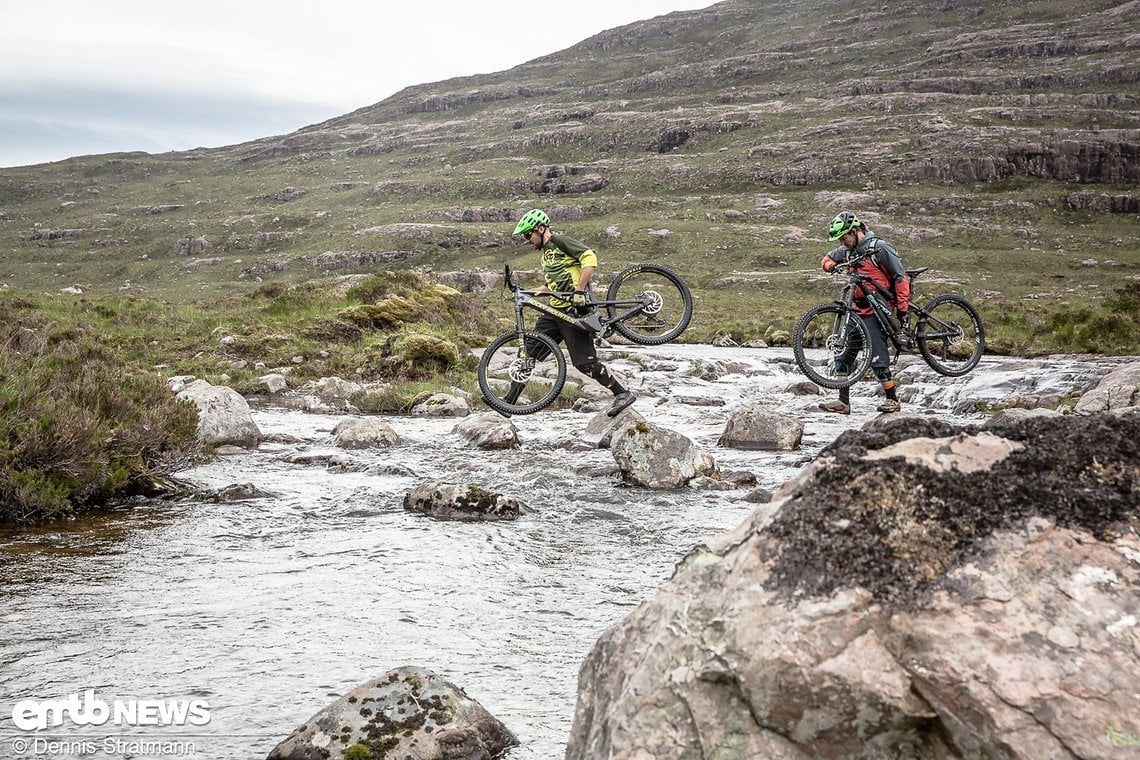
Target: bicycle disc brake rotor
835,345
521,369
651,301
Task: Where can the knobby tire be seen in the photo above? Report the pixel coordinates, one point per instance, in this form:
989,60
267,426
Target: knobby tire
666,304
540,389
949,335
817,342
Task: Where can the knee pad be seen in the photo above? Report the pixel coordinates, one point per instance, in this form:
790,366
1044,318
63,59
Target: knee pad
593,368
882,374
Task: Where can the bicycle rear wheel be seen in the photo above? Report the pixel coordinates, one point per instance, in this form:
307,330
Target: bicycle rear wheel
659,300
515,373
949,335
831,346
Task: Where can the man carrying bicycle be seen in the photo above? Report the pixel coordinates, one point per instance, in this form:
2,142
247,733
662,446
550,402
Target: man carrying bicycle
567,266
878,260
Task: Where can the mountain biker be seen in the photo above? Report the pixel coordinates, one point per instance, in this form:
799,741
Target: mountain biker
567,266
883,265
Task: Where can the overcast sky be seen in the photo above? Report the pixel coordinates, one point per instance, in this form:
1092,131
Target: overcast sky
98,76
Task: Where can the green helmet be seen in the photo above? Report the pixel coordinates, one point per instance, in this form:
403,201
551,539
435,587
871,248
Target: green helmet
843,223
530,220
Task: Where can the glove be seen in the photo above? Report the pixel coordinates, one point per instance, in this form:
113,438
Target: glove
903,317
579,299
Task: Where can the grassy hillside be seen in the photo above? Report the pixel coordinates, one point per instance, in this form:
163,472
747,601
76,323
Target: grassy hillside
996,143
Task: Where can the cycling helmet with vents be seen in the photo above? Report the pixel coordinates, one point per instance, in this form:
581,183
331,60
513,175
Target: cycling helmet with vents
531,219
843,223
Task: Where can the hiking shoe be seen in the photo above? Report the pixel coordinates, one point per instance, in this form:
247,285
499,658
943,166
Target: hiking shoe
889,406
621,401
836,406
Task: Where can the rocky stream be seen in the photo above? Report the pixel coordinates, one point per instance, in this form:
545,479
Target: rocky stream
270,608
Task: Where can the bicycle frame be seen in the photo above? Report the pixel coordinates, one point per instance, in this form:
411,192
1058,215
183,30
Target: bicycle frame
935,329
593,322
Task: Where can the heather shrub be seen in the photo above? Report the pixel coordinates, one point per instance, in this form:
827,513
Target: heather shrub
78,426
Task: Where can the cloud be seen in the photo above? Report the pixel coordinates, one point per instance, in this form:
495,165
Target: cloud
75,68
38,125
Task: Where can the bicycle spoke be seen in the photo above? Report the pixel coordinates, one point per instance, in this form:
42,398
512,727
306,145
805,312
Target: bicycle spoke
521,374
950,335
830,346
656,300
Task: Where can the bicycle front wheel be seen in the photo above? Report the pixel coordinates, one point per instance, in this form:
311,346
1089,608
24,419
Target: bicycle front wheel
651,304
949,335
521,373
831,346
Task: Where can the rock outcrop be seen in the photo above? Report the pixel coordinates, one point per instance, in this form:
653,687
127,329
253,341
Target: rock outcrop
949,595
1116,391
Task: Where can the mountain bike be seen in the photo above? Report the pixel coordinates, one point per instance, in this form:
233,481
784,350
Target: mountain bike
947,332
523,371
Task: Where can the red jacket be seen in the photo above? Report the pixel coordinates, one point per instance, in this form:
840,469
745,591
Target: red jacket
883,266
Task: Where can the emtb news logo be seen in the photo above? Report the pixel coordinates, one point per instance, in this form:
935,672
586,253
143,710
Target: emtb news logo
89,710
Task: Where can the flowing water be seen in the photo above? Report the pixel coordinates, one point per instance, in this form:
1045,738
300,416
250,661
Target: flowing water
272,608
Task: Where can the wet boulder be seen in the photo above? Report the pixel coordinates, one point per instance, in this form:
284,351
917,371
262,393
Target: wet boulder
488,431
440,405
407,713
947,595
364,433
599,430
450,501
656,457
1119,389
223,415
754,427
235,492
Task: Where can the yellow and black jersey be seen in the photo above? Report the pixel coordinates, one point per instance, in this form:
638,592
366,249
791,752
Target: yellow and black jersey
562,260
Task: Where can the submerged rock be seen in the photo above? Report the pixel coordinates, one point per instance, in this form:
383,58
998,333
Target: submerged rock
449,501
407,713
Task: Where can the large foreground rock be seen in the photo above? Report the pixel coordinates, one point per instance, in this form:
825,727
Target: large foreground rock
409,713
951,595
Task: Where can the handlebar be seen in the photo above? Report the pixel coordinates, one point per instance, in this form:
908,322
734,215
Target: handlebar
839,266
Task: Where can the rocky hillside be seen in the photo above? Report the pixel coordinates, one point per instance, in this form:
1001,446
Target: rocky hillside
978,136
